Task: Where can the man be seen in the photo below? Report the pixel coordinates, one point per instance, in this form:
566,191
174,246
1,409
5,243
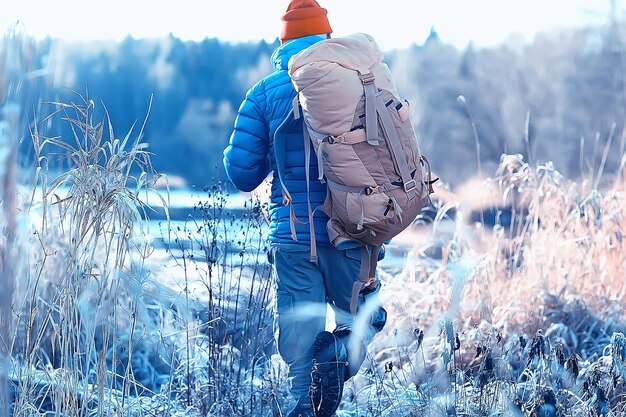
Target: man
318,359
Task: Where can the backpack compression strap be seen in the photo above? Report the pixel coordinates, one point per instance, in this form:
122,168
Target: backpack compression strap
408,182
371,121
374,107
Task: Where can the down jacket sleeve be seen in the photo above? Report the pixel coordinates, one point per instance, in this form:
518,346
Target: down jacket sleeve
246,156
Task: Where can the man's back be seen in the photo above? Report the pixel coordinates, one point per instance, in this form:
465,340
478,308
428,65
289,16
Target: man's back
250,156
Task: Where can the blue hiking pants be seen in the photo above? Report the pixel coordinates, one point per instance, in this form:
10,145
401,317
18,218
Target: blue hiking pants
304,291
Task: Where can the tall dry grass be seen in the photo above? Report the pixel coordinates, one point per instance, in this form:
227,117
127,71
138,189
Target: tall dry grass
558,243
80,319
511,319
522,317
103,326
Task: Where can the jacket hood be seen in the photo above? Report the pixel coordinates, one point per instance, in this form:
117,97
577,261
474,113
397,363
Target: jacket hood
282,54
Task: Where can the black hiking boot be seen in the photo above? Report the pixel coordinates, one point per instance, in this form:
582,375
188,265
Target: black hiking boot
303,408
327,374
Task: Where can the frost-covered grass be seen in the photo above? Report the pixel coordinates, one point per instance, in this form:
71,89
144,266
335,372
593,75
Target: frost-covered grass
101,323
525,317
80,325
519,319
504,313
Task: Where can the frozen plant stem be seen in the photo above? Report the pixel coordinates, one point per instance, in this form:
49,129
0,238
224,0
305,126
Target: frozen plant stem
462,100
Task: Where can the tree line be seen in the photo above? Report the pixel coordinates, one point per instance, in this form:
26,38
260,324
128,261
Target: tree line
559,98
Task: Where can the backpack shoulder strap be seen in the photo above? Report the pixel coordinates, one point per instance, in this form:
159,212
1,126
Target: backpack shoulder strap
307,168
289,123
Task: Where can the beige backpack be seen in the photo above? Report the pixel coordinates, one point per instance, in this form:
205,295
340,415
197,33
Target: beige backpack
366,146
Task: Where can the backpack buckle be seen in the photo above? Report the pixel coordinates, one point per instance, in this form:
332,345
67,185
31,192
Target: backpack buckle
371,190
368,78
410,186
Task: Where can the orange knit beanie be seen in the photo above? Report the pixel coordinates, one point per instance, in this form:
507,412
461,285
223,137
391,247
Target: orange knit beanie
304,17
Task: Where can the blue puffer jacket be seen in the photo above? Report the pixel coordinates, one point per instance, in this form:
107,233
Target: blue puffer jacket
250,155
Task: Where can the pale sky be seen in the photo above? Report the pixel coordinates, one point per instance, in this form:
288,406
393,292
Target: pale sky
393,23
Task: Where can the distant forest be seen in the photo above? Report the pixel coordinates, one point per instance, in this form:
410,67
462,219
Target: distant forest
560,98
